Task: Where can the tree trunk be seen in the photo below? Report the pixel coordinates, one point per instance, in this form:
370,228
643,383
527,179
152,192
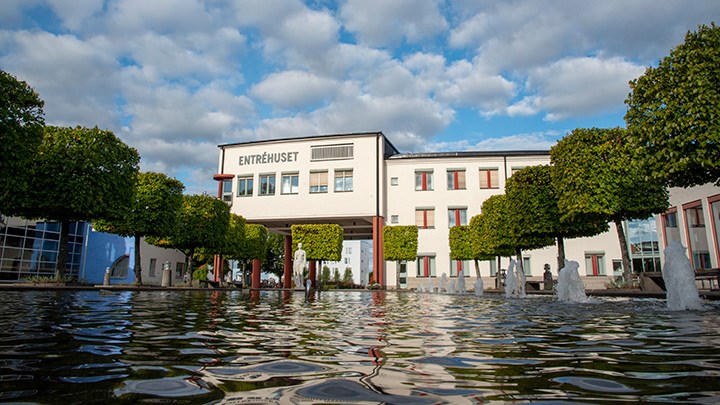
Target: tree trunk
189,267
518,258
61,263
561,252
477,268
138,264
627,266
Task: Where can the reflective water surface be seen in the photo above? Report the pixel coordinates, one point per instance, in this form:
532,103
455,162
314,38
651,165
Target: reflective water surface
353,347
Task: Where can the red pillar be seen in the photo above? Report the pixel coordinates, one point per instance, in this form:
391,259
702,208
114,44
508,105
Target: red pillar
287,263
255,273
378,261
217,259
312,270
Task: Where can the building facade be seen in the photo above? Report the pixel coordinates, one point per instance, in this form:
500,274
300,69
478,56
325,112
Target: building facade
356,257
362,182
694,219
30,248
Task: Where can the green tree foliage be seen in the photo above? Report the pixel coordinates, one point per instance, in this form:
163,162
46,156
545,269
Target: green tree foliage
234,238
325,276
274,260
597,180
461,239
672,116
400,242
320,241
256,242
21,132
534,212
336,277
347,277
153,212
498,231
80,174
203,222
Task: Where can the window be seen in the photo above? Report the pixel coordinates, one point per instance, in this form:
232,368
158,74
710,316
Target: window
526,266
425,218
227,190
289,183
343,180
489,178
423,180
180,269
394,219
267,184
245,186
698,248
393,181
319,182
457,216
456,179
426,266
595,264
153,265
459,267
715,220
642,238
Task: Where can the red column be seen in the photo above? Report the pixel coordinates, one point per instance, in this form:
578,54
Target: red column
312,270
378,261
255,273
217,268
287,263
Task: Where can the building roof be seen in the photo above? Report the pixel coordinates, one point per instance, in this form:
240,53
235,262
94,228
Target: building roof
473,153
305,138
393,152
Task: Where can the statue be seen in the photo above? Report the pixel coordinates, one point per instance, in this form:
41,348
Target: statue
299,266
547,278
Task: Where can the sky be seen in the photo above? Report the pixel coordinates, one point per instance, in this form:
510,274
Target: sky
176,78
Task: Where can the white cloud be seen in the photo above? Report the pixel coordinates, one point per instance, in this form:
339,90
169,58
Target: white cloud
76,80
577,87
294,89
74,13
523,141
388,23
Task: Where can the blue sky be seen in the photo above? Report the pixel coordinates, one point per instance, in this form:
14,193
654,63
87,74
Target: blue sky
175,78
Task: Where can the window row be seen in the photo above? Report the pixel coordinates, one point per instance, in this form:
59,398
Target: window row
456,179
289,183
425,217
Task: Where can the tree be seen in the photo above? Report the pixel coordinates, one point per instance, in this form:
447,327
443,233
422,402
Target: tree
274,260
498,232
597,180
203,222
672,114
320,241
461,239
347,277
534,212
21,132
153,212
80,174
400,243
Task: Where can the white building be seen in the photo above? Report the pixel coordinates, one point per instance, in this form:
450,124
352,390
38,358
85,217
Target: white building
356,257
362,182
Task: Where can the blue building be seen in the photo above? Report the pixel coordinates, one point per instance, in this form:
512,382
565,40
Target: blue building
30,248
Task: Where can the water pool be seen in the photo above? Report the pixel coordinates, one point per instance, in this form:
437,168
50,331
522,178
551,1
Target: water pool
357,347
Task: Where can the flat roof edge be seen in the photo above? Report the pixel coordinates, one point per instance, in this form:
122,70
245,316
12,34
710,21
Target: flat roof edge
305,138
478,153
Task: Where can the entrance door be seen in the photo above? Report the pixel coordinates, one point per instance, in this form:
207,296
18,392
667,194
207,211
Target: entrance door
402,275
